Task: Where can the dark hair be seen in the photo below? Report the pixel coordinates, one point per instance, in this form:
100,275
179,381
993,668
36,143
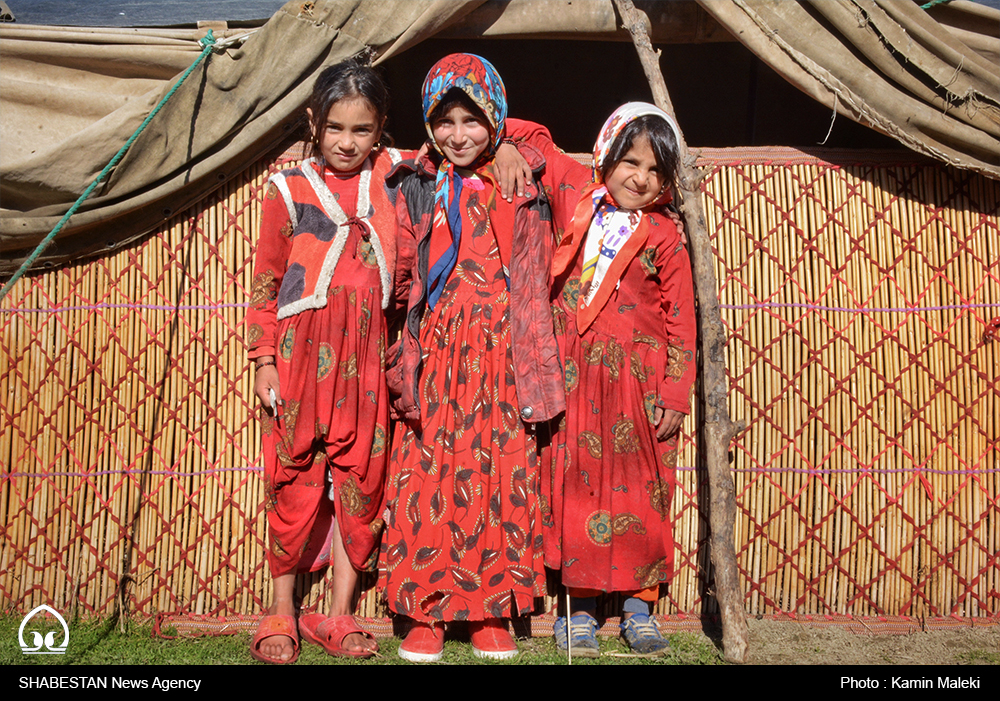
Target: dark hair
456,97
662,142
350,78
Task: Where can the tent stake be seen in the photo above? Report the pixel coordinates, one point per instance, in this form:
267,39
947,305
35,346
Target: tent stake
718,429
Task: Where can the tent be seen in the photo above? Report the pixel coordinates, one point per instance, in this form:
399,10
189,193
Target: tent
73,96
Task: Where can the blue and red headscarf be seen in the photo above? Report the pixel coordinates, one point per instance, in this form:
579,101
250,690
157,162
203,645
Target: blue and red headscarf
477,78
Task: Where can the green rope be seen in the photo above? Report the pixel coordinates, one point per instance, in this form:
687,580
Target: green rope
207,42
932,3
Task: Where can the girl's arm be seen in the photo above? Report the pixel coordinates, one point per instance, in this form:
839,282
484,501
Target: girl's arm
270,260
563,177
677,302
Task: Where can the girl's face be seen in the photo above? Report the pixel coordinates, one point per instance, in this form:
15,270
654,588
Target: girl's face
636,181
351,129
461,135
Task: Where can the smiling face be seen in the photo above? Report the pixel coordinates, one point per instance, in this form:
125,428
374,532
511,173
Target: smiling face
461,135
636,181
347,136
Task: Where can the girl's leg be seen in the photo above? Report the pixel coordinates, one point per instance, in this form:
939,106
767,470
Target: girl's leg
283,604
345,579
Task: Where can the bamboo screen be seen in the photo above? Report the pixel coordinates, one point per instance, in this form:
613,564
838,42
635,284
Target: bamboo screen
856,294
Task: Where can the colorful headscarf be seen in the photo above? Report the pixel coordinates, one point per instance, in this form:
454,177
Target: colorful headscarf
477,78
618,120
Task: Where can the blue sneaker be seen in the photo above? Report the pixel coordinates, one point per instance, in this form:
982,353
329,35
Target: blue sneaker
642,635
583,635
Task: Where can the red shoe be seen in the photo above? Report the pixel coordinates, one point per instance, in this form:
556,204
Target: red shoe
491,639
424,643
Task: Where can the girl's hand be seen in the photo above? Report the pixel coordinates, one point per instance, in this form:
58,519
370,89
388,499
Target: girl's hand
667,422
512,171
678,222
266,380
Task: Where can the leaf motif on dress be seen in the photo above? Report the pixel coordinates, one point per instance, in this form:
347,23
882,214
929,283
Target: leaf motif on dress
395,554
525,576
488,558
659,497
438,506
352,499
472,272
613,358
623,431
499,605
593,353
645,339
637,369
494,508
518,488
349,367
413,508
424,557
652,574
678,359
592,442
623,522
364,318
263,290
515,536
464,579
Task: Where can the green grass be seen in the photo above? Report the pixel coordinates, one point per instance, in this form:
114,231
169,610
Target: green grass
102,643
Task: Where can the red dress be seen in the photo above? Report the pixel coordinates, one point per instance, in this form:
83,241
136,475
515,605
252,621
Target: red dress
606,510
333,426
463,542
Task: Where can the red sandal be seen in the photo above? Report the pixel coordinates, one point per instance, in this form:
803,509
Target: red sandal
270,626
329,634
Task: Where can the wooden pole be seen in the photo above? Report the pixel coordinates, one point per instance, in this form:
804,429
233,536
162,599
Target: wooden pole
718,428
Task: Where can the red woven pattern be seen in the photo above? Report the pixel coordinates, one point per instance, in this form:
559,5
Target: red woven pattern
856,297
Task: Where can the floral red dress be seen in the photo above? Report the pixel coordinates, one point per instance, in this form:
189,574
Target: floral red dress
606,510
333,427
462,541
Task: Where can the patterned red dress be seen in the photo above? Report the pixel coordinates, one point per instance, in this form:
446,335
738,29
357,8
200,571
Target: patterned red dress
330,364
463,542
606,516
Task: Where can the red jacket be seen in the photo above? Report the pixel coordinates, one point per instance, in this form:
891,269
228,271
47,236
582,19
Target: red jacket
538,372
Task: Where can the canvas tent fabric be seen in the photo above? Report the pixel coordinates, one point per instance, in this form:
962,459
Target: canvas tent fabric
71,97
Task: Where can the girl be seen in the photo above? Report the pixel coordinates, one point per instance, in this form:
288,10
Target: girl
316,330
624,307
477,368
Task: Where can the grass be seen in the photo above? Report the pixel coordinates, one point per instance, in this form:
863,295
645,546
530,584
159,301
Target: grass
101,643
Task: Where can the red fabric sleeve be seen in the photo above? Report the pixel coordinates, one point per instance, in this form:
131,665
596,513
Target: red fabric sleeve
677,301
270,261
563,177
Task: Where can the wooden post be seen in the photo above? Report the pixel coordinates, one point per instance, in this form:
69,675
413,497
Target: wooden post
718,428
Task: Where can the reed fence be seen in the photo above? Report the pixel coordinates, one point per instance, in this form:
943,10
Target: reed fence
856,287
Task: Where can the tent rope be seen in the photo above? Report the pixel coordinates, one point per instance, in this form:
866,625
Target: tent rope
207,42
932,3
